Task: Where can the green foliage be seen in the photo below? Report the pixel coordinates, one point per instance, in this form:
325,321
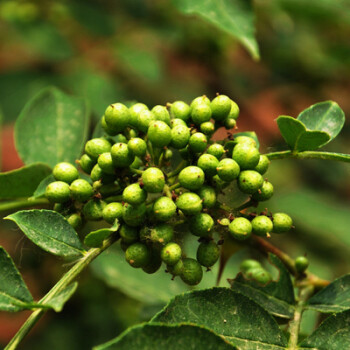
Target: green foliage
57,303
95,238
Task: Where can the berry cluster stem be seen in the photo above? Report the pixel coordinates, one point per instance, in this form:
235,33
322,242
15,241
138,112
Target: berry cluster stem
25,203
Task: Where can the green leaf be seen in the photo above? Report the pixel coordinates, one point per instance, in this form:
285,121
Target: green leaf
230,314
167,337
290,129
14,294
334,298
50,231
311,140
59,300
332,334
277,297
325,116
22,182
95,238
40,190
54,125
235,17
157,288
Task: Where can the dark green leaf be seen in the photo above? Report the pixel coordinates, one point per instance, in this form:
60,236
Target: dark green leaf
332,334
52,128
232,315
14,294
95,238
276,297
40,190
167,337
311,140
235,17
290,129
50,231
22,182
325,116
58,301
333,298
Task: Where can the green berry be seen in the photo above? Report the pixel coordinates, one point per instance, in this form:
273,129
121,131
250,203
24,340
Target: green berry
221,107
128,234
171,253
153,180
224,222
105,162
216,150
200,113
234,111
228,169
134,194
249,264
208,163
112,211
161,113
135,111
109,189
189,203
137,146
138,255
207,128
120,138
58,192
159,133
134,215
75,221
81,190
65,172
259,275
192,272
208,196
86,163
281,222
97,146
191,177
93,209
144,119
180,135
168,154
246,156
201,225
262,225
250,181
161,234
154,264
301,264
117,116
109,130
180,110
247,140
121,155
229,123
263,165
200,100
176,270
176,122
240,228
97,174
198,142
264,193
164,209
208,253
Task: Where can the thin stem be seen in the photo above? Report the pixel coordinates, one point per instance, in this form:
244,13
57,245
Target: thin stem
136,171
25,203
309,155
174,187
58,287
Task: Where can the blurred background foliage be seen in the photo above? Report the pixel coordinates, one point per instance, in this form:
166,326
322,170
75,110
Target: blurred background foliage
148,51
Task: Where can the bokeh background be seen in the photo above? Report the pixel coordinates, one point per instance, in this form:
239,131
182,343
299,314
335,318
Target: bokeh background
147,51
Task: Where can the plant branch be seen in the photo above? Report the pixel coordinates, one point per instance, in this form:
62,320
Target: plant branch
23,203
57,288
309,155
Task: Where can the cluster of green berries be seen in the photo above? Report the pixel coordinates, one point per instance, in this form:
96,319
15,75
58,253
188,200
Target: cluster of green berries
154,170
253,270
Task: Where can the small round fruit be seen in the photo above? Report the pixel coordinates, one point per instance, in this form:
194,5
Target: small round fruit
135,111
250,181
228,169
134,215
97,174
105,162
110,189
301,264
121,155
216,150
180,135
153,180
176,122
161,113
159,133
138,255
137,146
208,253
191,177
168,154
234,112
65,172
95,147
246,156
164,209
176,270
240,228
281,222
249,264
129,234
81,190
75,221
208,196
264,193
259,275
154,264
134,194
192,272
109,130
200,113
189,203
112,211
207,128
144,119
208,163
93,210
86,163
161,234
201,225
58,192
263,165
249,141
181,110
171,253
229,123
200,100
117,116
198,142
262,225
221,106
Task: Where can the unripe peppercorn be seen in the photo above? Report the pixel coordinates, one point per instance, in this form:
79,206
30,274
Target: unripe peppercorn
264,193
135,111
199,100
259,275
159,133
105,162
161,113
228,169
138,255
109,130
301,263
180,135
164,209
121,155
221,107
208,163
207,128
216,150
247,140
134,194
263,165
249,264
65,172
192,272
171,253
201,225
229,123
137,146
117,116
246,156
181,110
189,203
154,264
112,211
98,175
281,222
93,210
176,270
191,177
208,196
234,111
144,119
198,142
128,234
58,192
153,180
75,221
95,147
262,225
81,190
208,253
134,215
161,234
200,113
240,228
86,163
249,181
